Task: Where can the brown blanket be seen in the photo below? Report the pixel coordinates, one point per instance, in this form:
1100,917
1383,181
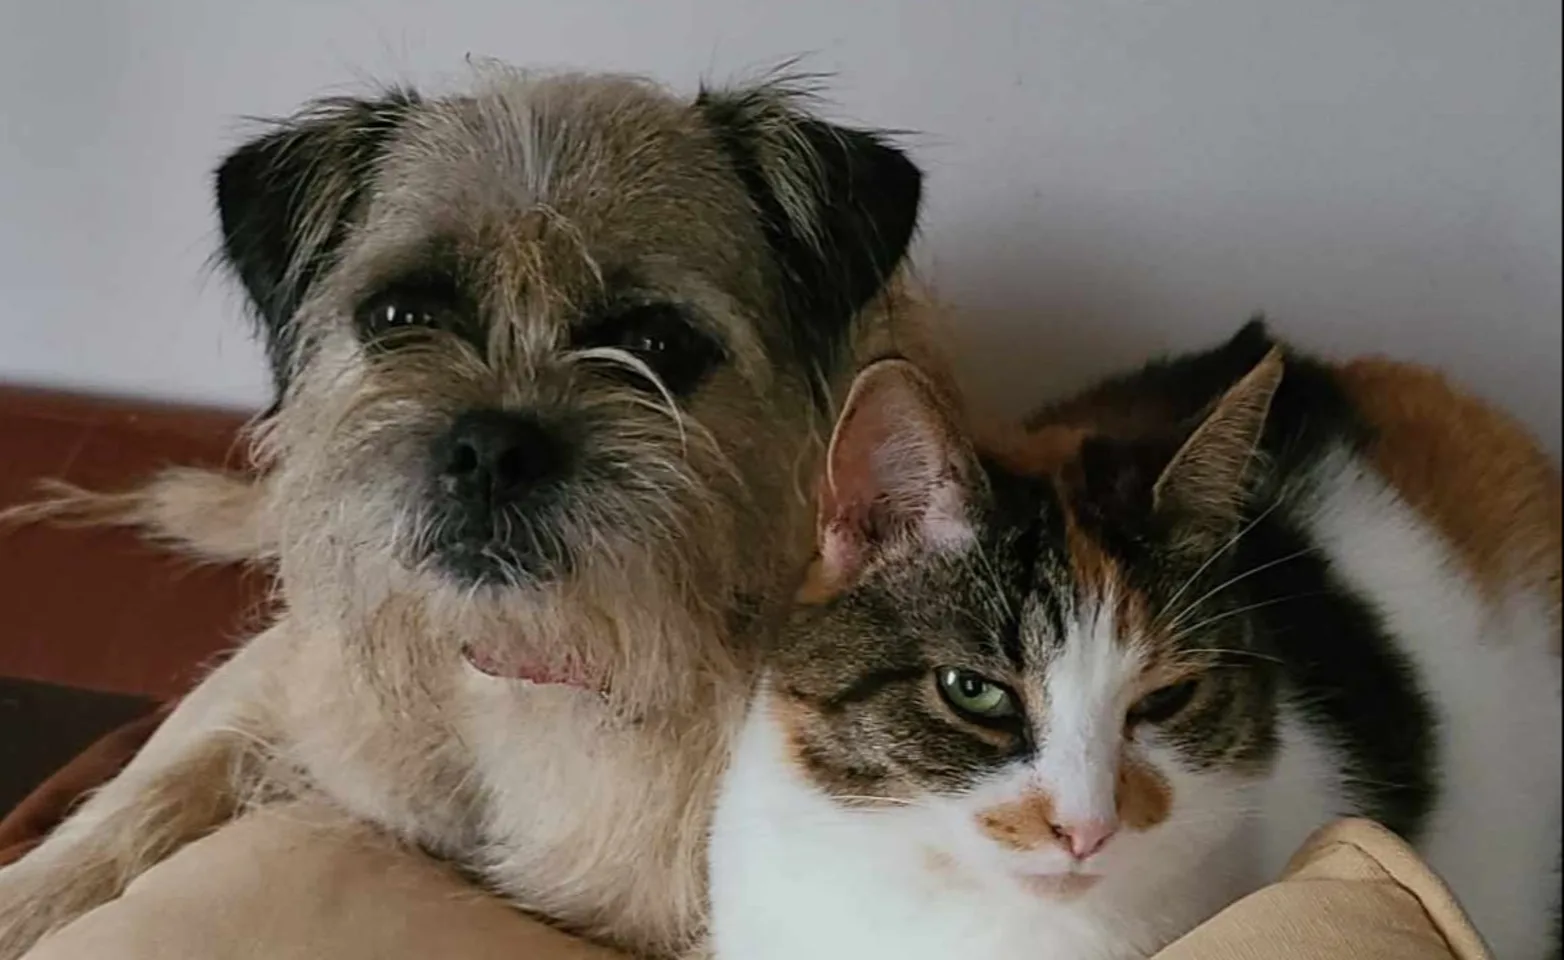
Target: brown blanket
32,819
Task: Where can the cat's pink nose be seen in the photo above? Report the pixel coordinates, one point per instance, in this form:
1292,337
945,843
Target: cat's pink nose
1086,837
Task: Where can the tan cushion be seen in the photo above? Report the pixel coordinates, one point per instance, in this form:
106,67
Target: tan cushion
297,883
1354,890
294,883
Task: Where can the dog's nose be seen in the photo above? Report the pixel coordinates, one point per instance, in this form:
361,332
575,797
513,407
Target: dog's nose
497,454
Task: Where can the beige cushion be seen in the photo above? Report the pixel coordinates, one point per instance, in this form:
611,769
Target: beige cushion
295,883
298,883
1354,890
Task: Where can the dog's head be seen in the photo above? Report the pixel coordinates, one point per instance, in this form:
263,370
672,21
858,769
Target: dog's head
549,354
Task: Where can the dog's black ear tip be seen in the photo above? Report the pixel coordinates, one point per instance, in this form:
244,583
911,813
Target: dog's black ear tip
253,219
283,198
239,189
234,175
1256,332
873,190
866,154
899,177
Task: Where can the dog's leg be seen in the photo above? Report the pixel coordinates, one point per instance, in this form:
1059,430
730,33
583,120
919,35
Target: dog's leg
192,776
211,515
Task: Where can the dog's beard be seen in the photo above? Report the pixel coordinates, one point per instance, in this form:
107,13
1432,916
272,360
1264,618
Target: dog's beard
634,485
613,575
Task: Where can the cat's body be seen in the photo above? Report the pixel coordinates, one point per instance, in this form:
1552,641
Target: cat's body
1217,607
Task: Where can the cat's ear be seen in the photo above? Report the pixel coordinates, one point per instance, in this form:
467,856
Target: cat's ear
1202,489
899,476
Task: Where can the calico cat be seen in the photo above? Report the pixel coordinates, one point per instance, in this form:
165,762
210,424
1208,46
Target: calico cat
1068,697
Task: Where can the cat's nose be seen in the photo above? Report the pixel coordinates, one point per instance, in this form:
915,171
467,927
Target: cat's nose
1086,837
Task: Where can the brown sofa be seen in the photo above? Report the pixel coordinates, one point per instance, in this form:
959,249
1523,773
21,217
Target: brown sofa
98,630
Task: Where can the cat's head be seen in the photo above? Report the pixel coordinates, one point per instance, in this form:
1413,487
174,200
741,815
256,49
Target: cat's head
1039,672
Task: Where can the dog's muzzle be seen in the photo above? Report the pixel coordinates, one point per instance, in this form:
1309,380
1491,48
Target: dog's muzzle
496,476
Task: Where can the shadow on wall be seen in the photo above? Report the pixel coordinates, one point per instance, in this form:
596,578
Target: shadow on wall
1044,308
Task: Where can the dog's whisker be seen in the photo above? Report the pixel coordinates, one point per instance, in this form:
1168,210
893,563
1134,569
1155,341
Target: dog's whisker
640,368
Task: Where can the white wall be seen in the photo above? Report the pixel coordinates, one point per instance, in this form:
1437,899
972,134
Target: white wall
1107,177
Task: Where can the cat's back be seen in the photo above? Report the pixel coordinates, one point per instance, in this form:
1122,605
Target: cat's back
1467,471
1471,473
1440,516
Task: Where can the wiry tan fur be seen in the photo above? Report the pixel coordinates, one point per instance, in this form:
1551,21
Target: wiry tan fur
588,811
208,515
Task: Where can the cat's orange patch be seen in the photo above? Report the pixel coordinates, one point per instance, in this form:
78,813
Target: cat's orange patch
1135,622
793,718
1471,470
1048,450
1024,823
1041,452
1100,580
818,586
1044,452
1095,573
1145,798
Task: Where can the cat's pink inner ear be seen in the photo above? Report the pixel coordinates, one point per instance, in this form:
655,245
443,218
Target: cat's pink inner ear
894,472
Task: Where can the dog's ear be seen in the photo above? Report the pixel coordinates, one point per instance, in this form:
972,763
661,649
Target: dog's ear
839,206
284,199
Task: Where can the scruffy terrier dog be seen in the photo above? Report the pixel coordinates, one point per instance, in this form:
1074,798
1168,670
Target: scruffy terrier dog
554,358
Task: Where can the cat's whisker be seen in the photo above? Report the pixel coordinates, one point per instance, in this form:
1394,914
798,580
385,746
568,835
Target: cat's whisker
1237,611
1217,554
990,573
1360,781
1230,581
1220,652
873,801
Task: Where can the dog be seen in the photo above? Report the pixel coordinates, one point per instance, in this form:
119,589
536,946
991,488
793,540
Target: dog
554,359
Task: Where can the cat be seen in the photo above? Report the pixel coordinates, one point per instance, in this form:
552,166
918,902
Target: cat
1067,697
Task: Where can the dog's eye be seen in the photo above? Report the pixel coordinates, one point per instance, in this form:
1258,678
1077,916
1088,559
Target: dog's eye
661,336
1160,706
406,307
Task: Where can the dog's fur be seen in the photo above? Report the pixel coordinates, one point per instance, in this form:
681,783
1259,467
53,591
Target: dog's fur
549,203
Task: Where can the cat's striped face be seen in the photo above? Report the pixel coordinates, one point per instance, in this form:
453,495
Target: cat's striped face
1037,687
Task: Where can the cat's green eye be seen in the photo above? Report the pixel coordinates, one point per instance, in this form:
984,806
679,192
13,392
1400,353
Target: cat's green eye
975,695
